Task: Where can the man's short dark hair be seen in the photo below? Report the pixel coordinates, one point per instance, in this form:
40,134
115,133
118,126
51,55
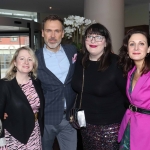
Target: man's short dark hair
53,17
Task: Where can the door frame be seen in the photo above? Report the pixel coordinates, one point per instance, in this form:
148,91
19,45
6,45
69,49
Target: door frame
33,28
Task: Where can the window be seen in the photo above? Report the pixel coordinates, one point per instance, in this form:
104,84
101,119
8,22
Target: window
13,39
5,60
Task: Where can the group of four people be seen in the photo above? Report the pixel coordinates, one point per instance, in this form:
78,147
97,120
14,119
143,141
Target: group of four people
36,96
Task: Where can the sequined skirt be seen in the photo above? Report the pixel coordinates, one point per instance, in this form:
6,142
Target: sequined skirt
100,137
125,142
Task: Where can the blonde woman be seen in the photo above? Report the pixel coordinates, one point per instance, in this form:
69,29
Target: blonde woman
21,98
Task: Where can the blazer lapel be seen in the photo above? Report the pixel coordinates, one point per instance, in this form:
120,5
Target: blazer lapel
40,94
68,53
43,66
141,81
69,56
128,82
20,93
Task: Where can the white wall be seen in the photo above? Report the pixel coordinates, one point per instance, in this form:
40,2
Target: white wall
137,15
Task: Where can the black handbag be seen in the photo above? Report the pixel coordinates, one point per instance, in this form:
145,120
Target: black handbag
77,116
73,118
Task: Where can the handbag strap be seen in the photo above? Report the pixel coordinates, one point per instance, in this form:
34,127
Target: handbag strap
81,92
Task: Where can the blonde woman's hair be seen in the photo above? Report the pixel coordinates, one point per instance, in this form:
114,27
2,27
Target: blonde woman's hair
11,72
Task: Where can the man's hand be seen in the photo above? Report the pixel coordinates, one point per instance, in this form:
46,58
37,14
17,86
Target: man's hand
5,115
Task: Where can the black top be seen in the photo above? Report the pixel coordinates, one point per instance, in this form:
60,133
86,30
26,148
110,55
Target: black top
103,98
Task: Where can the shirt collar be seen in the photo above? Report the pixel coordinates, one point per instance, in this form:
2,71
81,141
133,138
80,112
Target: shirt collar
49,52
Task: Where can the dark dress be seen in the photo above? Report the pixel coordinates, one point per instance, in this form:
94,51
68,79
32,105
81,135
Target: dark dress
125,142
103,101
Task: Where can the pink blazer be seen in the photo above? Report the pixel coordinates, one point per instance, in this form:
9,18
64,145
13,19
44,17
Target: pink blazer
139,123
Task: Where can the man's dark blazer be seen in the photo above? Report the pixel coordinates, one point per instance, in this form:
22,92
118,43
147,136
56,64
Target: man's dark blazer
21,120
54,90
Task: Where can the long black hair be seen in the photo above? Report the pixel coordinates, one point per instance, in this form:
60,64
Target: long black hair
104,59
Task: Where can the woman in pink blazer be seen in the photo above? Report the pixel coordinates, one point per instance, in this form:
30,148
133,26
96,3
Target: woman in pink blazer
134,133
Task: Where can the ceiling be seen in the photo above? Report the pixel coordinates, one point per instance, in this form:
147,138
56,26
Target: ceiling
60,7
65,7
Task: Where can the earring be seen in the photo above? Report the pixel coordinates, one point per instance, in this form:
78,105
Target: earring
147,54
30,73
15,69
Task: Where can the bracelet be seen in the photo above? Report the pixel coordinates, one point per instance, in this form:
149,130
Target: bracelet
2,142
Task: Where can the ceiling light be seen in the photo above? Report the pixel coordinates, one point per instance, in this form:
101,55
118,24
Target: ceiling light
50,7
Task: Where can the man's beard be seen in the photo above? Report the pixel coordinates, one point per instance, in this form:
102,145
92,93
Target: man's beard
53,46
